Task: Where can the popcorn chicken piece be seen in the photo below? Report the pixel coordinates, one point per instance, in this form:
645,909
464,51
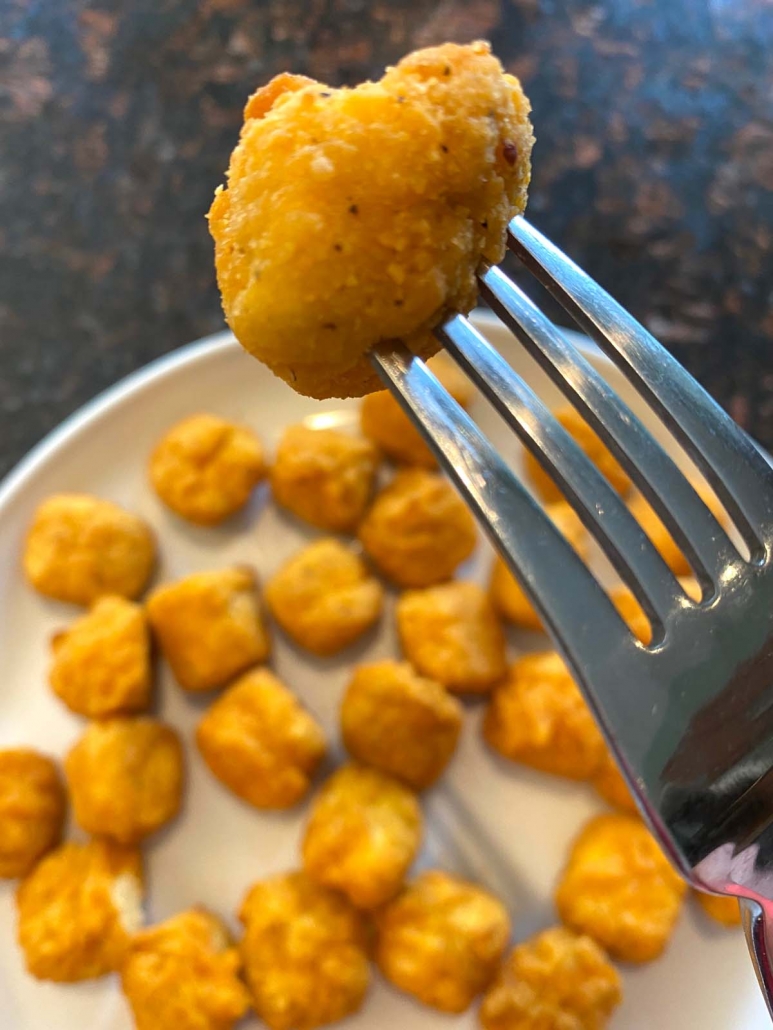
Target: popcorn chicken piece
324,597
451,634
441,940
125,777
632,613
32,807
209,626
538,716
183,974
652,525
609,782
619,888
505,590
80,547
418,530
400,722
556,980
324,476
588,441
363,833
101,664
261,742
77,909
353,216
384,421
304,953
205,468
722,909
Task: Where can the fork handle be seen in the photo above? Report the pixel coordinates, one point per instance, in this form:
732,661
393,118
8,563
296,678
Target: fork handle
758,927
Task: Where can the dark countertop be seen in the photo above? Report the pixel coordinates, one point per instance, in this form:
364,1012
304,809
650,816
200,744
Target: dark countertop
653,168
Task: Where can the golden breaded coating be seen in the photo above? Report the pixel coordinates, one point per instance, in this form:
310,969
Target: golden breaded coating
400,722
80,547
183,974
441,940
325,477
652,525
77,910
324,597
591,444
451,633
209,626
619,888
722,909
260,741
418,530
125,777
101,664
353,216
538,716
386,424
556,980
304,953
32,807
505,590
632,613
609,782
205,468
363,833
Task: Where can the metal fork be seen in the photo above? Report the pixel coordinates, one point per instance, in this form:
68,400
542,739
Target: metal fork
689,716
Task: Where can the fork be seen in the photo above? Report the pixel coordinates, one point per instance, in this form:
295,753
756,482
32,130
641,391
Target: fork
688,716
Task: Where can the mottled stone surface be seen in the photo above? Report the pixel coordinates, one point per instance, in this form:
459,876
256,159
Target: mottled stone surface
654,168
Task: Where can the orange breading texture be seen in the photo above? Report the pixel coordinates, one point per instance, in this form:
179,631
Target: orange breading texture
183,974
205,468
80,547
325,477
363,833
353,216
32,808
619,888
400,722
304,952
261,742
101,663
723,910
652,525
441,940
77,910
556,980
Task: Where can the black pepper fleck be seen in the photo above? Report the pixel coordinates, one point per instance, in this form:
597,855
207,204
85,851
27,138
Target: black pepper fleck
444,148
329,325
353,209
398,303
447,70
338,247
400,99
484,224
325,94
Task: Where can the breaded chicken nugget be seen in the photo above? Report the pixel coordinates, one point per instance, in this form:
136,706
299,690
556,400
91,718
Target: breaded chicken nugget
209,626
125,777
353,216
80,547
325,477
619,888
538,716
101,664
441,940
722,909
183,974
205,468
32,807
609,782
77,910
304,953
505,590
400,722
418,530
652,525
324,597
554,981
384,421
363,833
261,742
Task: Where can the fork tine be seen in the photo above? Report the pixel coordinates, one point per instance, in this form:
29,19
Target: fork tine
598,505
696,530
554,577
739,474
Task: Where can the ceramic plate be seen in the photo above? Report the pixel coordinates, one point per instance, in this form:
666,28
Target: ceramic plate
503,825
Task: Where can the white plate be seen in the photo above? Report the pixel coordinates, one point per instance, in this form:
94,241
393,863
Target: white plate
503,825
